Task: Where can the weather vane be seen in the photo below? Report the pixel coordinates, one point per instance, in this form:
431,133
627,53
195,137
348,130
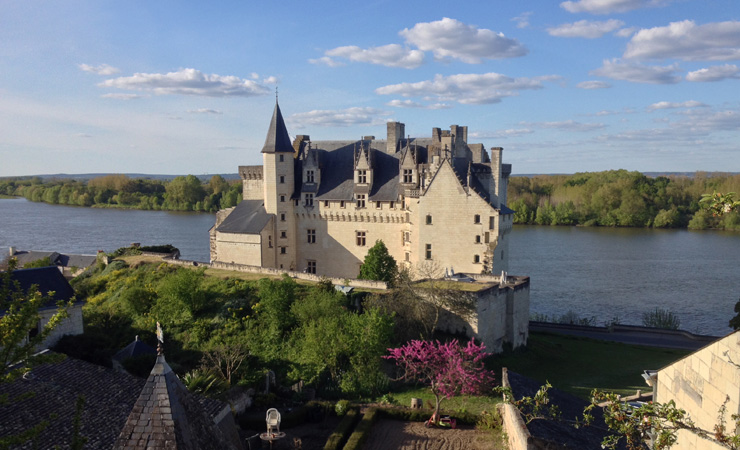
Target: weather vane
160,339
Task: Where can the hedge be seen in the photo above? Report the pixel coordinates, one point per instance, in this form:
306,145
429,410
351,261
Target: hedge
346,425
358,438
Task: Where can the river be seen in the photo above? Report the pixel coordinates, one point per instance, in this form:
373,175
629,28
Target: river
594,272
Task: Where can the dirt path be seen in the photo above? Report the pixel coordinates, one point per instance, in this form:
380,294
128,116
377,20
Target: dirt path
395,435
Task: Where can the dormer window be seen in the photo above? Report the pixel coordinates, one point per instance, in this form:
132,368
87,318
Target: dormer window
362,176
309,176
408,175
361,200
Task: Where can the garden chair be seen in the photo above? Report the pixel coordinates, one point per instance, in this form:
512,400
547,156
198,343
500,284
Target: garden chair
273,420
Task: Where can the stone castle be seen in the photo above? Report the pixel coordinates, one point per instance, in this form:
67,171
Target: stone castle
318,206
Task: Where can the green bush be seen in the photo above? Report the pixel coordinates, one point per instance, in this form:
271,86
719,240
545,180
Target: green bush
339,436
341,407
661,318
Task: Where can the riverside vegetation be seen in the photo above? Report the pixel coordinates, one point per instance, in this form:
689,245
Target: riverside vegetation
621,198
183,193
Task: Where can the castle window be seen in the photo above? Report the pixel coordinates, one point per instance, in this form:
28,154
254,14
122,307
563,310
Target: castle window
491,221
487,236
283,234
326,203
429,251
362,176
309,199
282,217
296,202
476,218
429,219
282,158
309,176
311,236
360,238
283,250
361,200
408,256
269,241
477,239
378,205
282,179
476,259
408,176
393,204
406,236
282,199
341,204
311,266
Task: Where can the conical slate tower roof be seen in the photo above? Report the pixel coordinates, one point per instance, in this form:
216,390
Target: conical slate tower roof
167,416
278,140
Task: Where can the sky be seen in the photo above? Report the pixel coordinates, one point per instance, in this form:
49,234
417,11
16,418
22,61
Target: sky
188,87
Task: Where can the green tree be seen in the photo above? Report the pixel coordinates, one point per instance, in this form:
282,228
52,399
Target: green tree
379,265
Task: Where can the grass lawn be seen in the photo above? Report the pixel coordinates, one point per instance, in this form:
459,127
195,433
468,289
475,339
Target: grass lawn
578,365
467,403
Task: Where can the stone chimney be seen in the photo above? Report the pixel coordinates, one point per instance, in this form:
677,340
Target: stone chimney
396,132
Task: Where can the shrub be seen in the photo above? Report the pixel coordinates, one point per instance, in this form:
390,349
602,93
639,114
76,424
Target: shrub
661,318
341,407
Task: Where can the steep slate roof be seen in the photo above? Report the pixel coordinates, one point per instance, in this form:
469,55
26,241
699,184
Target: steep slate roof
109,397
134,349
248,217
167,416
277,140
46,279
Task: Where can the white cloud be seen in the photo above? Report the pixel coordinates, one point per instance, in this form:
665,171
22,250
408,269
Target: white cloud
466,88
82,135
270,80
122,96
189,82
568,125
204,111
502,134
391,55
449,38
674,105
522,20
339,118
685,40
637,73
704,121
413,104
609,6
715,73
593,85
585,29
626,32
103,69
326,61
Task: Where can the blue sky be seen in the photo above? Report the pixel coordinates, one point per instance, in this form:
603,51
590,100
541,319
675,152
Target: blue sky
188,87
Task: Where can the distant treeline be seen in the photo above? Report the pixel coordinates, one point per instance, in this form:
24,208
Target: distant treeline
618,198
183,193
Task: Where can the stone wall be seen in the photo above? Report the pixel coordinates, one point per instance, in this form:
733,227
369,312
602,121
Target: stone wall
72,325
517,434
700,384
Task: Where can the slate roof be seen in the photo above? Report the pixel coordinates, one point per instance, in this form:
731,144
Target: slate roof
277,140
50,391
167,416
248,217
561,433
57,259
46,279
134,349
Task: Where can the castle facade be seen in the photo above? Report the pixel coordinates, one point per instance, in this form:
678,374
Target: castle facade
318,206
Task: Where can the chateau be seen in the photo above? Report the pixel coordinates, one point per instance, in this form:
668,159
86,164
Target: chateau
318,206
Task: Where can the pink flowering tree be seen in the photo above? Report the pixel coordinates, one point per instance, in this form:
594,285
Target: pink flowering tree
448,368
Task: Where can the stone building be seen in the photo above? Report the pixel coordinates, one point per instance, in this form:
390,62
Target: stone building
318,206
